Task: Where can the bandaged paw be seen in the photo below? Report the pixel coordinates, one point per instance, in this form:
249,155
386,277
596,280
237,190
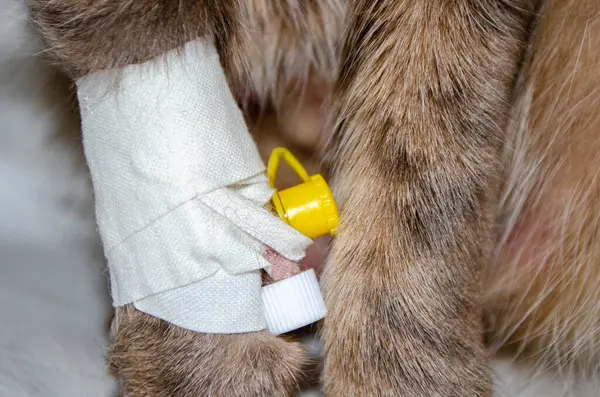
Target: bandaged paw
180,192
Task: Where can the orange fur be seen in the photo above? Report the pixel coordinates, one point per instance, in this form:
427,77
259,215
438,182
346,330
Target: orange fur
543,286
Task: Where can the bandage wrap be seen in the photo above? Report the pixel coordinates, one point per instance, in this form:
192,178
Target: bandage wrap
180,188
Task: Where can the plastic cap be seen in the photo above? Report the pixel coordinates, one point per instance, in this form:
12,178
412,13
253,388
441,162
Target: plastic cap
308,207
293,303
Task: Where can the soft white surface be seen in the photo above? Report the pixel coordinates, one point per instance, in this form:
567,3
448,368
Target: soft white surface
180,189
53,301
54,298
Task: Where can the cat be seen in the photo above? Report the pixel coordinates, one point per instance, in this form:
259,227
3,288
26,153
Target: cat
459,136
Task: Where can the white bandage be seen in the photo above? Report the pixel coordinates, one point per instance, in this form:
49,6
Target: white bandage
179,188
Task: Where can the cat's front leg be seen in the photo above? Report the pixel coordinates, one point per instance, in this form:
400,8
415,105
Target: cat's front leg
420,105
151,357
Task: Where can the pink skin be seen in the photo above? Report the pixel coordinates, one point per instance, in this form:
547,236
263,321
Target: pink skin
284,268
528,241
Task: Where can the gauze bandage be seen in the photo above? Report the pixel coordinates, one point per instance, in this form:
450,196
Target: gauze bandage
179,188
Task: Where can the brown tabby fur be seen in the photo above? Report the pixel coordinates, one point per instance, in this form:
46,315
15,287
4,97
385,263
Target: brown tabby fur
425,153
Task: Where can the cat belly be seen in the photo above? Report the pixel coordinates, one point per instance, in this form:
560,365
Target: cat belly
542,285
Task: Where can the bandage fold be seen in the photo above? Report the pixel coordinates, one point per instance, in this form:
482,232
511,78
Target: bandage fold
180,191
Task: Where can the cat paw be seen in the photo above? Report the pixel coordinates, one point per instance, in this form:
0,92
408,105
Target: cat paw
151,357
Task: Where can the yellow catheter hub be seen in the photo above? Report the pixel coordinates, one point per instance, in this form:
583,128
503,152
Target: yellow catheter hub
308,207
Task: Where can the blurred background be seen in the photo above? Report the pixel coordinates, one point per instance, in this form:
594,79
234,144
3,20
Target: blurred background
54,304
54,309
